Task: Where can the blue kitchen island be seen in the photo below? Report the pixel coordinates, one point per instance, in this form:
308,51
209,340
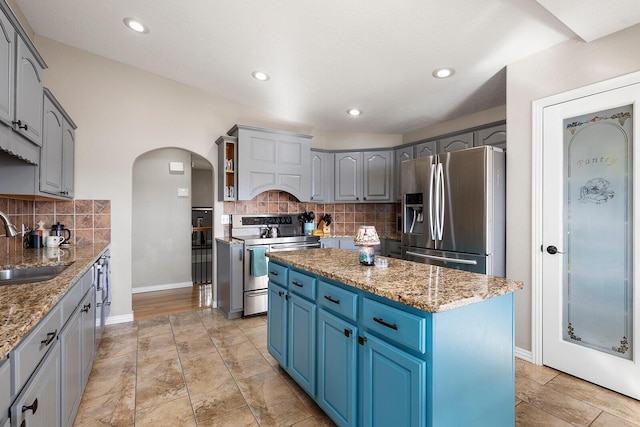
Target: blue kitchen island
406,345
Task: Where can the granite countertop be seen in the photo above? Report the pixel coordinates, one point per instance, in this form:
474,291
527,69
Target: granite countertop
23,306
426,287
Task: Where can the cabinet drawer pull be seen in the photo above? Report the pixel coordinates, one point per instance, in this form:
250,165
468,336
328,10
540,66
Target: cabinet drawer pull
383,323
33,407
86,308
50,337
328,298
298,284
275,273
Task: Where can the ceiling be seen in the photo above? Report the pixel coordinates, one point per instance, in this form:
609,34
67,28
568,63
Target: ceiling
326,57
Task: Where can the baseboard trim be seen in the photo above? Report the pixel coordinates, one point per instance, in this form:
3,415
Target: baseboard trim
124,318
164,287
524,354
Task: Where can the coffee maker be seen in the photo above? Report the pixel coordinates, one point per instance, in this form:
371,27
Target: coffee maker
60,230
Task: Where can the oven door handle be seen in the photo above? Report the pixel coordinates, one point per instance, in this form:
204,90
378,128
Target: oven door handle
294,246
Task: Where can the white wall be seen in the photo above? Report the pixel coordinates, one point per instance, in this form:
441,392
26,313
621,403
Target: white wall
161,221
570,65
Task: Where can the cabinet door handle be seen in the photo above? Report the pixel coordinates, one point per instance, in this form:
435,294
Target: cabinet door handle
347,333
328,298
33,407
298,284
50,337
20,125
280,293
86,308
383,323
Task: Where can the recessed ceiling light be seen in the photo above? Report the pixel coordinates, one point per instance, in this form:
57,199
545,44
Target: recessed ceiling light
443,73
354,112
260,75
135,25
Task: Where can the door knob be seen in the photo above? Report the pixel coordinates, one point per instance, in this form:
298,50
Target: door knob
552,250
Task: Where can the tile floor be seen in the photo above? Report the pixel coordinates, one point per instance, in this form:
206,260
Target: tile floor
198,368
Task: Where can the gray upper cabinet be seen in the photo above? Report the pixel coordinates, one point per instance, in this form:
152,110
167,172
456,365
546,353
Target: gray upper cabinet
428,148
454,143
495,136
377,175
7,53
28,112
272,160
401,154
321,176
363,176
57,153
21,100
347,177
227,163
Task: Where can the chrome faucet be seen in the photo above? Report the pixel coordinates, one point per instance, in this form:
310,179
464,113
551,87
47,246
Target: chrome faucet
9,228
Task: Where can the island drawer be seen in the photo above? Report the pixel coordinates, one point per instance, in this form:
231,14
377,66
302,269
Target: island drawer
26,356
338,300
278,273
395,324
302,284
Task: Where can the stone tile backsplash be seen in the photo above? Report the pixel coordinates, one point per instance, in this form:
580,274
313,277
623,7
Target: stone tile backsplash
347,217
88,220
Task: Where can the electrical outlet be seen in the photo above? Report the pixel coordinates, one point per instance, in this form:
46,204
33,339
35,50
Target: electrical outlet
226,219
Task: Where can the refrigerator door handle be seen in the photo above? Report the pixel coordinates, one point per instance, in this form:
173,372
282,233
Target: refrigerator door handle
440,203
432,178
443,258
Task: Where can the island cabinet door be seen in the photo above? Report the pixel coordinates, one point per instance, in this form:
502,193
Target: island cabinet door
337,364
393,385
302,343
277,323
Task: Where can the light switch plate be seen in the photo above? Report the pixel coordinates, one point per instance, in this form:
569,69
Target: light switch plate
226,219
183,192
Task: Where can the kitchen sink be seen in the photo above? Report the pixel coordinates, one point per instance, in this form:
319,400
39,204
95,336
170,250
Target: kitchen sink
16,276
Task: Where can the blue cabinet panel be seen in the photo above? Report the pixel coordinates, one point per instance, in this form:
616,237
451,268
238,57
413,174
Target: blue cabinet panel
337,367
393,386
302,284
403,328
338,300
278,273
302,343
277,323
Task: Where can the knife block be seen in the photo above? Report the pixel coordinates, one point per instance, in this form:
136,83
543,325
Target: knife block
326,229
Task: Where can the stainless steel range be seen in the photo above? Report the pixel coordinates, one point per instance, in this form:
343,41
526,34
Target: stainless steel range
256,232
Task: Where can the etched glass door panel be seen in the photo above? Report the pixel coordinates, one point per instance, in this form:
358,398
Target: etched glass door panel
589,241
597,286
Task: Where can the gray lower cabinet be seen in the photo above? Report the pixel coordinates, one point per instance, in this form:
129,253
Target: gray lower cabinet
229,259
57,153
5,392
495,136
38,404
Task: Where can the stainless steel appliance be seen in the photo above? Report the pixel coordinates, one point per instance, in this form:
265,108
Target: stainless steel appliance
454,210
102,281
256,232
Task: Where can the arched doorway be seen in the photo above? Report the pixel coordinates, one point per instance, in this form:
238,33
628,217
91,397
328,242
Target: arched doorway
162,222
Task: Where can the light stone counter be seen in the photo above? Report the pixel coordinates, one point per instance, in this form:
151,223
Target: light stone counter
426,287
23,306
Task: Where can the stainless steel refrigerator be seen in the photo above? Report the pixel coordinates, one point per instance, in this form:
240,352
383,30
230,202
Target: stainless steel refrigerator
454,210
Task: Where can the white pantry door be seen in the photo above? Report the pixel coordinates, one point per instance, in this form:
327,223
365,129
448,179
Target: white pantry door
590,303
